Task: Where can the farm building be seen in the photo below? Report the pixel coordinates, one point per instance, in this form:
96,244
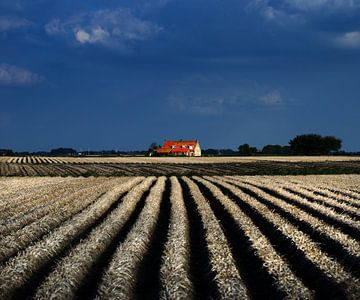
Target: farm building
179,148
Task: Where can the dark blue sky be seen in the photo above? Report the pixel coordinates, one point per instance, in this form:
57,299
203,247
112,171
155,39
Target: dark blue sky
122,74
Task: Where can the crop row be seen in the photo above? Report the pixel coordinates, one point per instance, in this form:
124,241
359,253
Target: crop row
220,237
35,160
80,167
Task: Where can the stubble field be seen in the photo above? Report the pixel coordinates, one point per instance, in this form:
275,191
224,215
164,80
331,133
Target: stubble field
220,237
180,166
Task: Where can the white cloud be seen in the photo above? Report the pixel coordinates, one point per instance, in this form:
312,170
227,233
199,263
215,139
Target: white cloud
82,36
308,5
8,23
304,5
15,76
213,95
276,14
349,39
298,12
106,27
272,98
197,104
54,27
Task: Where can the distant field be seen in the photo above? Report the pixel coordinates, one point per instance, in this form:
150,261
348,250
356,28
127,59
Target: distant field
173,160
218,237
142,166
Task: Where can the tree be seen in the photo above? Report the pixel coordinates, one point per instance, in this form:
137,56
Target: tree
152,149
153,146
314,144
276,150
331,144
210,152
63,152
246,150
6,152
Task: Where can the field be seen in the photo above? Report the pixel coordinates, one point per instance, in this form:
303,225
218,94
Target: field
173,160
181,166
219,237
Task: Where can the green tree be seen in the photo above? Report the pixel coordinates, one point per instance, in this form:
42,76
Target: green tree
152,149
6,152
246,150
63,152
314,144
153,146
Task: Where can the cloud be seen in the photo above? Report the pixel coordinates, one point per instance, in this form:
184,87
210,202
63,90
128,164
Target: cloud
8,23
305,5
311,5
197,104
210,95
300,12
97,35
272,98
55,27
105,27
15,76
277,14
349,39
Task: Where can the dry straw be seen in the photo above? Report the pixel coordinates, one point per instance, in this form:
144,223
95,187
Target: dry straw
20,239
348,243
175,278
120,278
275,265
17,271
330,267
228,279
69,273
302,196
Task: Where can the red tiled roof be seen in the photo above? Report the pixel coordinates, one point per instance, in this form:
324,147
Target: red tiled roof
177,146
163,150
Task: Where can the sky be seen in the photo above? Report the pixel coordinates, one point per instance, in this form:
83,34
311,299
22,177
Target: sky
120,75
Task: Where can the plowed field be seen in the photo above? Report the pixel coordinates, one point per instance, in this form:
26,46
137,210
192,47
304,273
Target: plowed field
219,237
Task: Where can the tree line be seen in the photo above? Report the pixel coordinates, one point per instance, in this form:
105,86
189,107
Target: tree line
306,144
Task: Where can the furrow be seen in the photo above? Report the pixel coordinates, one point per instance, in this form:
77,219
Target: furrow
317,270
342,222
265,272
71,272
19,270
120,277
175,268
19,240
329,239
228,280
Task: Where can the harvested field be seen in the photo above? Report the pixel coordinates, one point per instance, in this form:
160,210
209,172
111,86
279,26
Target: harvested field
201,237
174,167
172,160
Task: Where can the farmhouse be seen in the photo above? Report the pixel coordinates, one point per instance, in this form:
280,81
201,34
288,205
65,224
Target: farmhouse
180,148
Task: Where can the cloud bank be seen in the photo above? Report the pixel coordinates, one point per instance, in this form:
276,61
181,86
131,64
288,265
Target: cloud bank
8,23
109,28
349,39
15,76
202,95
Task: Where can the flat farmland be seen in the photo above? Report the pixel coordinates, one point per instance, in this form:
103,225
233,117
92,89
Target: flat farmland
167,166
173,160
201,237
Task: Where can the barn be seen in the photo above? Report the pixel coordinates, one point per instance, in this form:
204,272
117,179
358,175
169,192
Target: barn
179,148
